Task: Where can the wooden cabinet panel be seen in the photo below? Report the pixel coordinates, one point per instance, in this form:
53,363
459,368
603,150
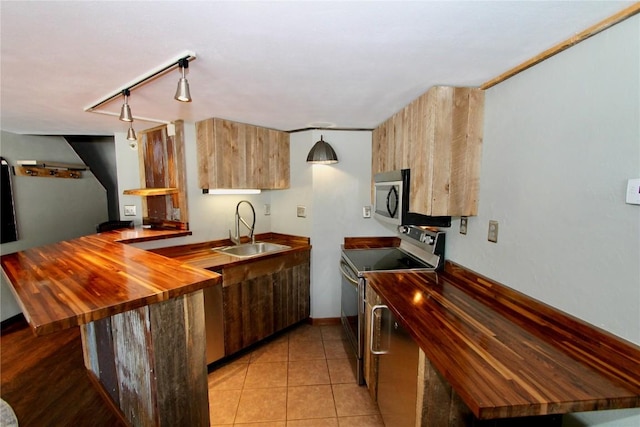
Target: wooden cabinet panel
248,313
257,310
291,296
237,155
163,177
232,309
439,137
264,297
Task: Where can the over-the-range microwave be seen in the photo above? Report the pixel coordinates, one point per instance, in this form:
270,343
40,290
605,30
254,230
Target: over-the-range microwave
391,201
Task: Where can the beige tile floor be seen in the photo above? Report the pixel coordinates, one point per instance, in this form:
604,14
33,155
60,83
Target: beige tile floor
299,379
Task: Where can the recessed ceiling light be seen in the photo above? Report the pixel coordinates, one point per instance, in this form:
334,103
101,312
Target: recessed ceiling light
321,125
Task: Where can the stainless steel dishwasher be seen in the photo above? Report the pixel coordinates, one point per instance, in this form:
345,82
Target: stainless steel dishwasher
397,371
214,323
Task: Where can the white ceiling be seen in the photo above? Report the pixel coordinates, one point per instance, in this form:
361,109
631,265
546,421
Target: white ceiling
282,64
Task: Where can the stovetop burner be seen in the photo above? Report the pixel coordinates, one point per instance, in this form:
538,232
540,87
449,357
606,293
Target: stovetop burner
384,259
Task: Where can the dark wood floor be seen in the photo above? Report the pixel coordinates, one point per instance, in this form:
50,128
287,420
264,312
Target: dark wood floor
45,381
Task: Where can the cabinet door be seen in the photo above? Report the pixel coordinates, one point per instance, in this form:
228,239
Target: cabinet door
248,312
232,309
257,309
291,296
238,155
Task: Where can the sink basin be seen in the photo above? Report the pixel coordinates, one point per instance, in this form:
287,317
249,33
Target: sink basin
252,249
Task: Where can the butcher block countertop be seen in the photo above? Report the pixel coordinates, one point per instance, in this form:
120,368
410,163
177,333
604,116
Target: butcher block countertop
78,281
508,355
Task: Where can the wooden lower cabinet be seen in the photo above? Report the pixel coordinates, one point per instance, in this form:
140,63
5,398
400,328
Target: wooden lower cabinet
262,298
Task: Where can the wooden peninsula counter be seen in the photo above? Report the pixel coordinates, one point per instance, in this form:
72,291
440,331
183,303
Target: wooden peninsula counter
141,317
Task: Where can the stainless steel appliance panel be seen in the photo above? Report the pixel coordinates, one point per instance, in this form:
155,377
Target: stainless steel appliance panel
398,373
352,314
214,323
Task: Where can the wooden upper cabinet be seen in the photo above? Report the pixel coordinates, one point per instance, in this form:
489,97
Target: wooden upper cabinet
439,137
236,155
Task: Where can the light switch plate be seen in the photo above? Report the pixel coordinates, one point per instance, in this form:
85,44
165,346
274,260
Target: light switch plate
463,224
301,211
267,209
366,211
129,210
493,232
633,191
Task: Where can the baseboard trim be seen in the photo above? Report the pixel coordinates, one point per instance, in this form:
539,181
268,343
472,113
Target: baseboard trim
325,321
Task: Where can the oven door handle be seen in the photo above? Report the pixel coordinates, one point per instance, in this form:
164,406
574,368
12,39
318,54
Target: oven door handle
371,331
346,275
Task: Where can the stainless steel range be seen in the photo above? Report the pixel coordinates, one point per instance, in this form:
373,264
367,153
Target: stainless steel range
421,249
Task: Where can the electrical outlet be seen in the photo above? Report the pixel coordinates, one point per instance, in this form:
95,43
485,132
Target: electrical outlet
493,232
129,210
301,211
463,225
366,211
267,209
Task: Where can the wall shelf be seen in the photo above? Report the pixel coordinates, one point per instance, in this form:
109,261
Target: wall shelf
150,191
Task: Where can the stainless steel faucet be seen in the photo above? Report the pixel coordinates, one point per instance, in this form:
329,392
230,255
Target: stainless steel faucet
236,239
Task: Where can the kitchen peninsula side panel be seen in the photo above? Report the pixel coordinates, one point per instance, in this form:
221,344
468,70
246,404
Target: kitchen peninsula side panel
153,366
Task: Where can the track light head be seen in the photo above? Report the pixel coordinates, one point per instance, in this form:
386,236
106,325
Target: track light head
125,111
131,134
182,93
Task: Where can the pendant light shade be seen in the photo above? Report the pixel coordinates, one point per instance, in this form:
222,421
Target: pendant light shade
322,153
131,134
125,111
182,93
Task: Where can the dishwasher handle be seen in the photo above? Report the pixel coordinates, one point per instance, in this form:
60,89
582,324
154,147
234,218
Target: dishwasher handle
371,331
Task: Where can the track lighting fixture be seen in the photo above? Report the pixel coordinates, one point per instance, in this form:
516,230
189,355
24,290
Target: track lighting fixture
131,134
322,153
125,111
182,93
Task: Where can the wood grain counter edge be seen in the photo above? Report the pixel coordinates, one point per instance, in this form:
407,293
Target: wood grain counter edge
78,281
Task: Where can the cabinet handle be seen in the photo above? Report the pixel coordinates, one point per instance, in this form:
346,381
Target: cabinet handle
373,312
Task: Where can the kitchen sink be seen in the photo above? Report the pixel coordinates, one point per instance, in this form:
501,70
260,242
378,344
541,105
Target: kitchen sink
252,249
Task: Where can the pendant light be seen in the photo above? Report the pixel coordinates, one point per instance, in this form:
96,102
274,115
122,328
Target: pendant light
322,153
125,111
131,134
182,93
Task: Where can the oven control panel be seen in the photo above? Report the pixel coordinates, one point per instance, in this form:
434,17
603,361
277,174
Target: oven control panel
432,240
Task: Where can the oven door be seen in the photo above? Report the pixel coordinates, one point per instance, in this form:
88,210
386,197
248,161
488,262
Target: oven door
352,314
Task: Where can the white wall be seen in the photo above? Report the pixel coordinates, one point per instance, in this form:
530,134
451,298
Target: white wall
561,139
48,209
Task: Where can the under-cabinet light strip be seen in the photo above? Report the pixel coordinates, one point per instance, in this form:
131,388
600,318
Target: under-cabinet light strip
221,191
